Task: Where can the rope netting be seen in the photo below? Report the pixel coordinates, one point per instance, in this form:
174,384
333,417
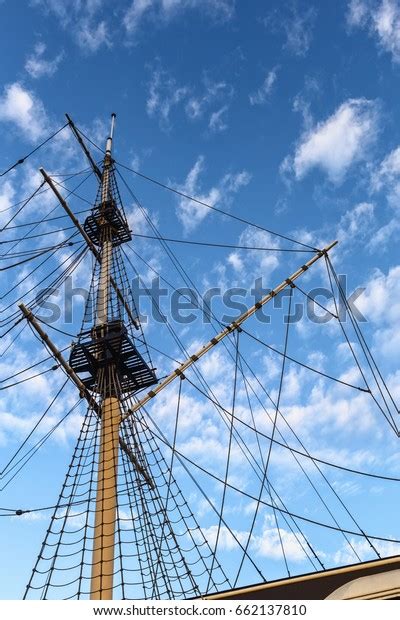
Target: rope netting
160,550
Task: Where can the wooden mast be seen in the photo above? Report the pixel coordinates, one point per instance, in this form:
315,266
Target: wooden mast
106,498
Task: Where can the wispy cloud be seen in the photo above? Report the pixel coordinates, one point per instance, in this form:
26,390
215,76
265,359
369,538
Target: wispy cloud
356,224
382,21
135,13
297,24
382,236
269,543
261,95
345,555
374,302
90,29
91,36
163,11
7,194
217,121
191,214
247,263
387,177
67,11
335,144
166,94
209,93
299,30
38,66
302,101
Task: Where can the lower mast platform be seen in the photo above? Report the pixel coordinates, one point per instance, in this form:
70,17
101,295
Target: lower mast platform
106,345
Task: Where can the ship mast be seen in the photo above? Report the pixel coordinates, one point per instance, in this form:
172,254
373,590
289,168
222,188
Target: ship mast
106,498
110,366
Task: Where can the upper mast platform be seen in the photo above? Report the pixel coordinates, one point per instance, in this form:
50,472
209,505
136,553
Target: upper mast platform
107,214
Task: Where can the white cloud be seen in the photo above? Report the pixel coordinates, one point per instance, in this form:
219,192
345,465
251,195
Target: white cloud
7,194
374,303
380,304
389,168
337,410
58,7
22,108
164,95
347,488
138,220
268,544
91,36
382,236
93,25
356,224
381,19
236,262
67,11
299,30
199,103
256,262
82,20
301,102
192,214
297,25
37,66
166,10
335,144
346,555
357,12
227,540
348,457
217,122
135,14
261,95
387,177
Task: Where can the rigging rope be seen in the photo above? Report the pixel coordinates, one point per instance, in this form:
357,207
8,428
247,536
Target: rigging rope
267,461
221,245
23,159
196,200
182,457
214,208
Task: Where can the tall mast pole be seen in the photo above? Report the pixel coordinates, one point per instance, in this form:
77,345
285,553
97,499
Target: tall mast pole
106,497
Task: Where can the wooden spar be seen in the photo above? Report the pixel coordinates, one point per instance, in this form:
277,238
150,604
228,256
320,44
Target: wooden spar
77,135
83,391
89,242
178,372
66,208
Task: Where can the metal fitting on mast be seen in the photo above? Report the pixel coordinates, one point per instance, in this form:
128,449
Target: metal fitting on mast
110,137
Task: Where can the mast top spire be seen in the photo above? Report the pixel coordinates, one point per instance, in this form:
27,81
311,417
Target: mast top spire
110,137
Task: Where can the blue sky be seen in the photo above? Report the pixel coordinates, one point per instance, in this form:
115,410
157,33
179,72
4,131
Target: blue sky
283,115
